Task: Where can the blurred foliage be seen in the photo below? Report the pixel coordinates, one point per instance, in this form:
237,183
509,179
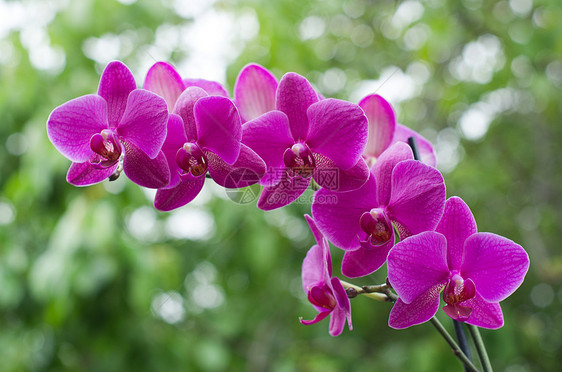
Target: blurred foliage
94,279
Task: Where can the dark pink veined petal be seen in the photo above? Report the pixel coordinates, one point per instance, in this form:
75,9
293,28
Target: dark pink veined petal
484,314
496,265
425,148
294,97
71,126
185,109
320,316
331,177
417,197
116,83
315,267
144,122
337,321
183,193
213,88
382,124
248,169
269,137
338,130
84,174
175,138
420,310
383,169
417,264
163,79
218,127
457,224
284,193
365,261
254,91
342,299
144,171
337,215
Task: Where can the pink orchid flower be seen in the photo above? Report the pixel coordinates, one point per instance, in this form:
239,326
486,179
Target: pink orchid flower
119,123
325,293
475,270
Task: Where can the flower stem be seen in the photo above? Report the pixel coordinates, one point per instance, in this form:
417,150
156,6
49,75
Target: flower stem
456,349
480,348
461,338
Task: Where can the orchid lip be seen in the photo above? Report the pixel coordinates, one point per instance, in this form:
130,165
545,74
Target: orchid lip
299,160
320,295
376,224
107,146
192,160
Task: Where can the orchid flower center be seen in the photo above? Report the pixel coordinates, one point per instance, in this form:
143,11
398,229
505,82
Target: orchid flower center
107,146
299,160
457,291
377,226
192,160
321,295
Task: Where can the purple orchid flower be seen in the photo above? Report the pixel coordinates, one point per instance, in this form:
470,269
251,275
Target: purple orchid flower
254,91
325,293
400,191
204,135
163,79
476,271
96,131
306,137
385,131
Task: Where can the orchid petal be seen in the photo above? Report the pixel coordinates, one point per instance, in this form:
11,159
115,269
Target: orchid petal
315,267
420,310
337,215
269,137
212,88
218,127
116,83
144,171
384,166
320,316
185,109
85,174
294,96
254,91
144,122
425,148
342,299
338,130
337,322
417,197
382,124
71,126
175,139
248,169
284,193
457,224
163,79
331,177
365,261
417,264
484,314
496,265
183,193
320,240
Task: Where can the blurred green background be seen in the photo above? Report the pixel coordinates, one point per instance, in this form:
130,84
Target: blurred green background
94,279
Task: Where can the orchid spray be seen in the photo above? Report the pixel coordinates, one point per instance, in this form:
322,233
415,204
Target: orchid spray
378,195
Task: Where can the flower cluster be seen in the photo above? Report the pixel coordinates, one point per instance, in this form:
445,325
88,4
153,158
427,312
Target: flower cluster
378,200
